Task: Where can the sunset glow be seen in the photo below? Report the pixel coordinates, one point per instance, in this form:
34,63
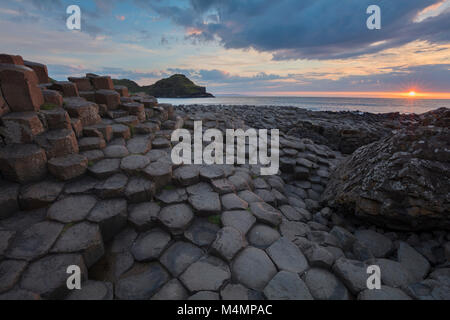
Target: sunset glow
253,52
357,94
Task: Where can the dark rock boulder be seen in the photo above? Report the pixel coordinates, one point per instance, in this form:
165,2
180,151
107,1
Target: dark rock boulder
400,182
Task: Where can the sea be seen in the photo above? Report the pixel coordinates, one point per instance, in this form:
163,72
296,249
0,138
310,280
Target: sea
372,105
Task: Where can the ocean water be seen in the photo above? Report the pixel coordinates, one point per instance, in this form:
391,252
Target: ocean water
373,105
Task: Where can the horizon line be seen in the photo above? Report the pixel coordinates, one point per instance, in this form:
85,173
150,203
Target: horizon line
346,94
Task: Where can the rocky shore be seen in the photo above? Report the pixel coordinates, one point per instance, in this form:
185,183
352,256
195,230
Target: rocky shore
87,180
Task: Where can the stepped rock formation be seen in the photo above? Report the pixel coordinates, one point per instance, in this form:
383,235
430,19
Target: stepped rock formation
86,179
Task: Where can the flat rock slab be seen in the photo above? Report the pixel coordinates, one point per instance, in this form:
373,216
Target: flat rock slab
112,187
249,196
262,236
172,290
40,194
353,273
319,256
139,145
94,155
266,213
172,196
10,272
293,229
287,256
202,232
176,217
83,237
178,257
199,188
134,164
229,242
23,162
115,151
291,213
159,172
235,292
35,241
139,190
223,186
84,185
155,155
323,238
207,274
206,203
8,199
324,285
232,202
48,276
71,209
93,291
267,196
205,296
241,220
385,293
141,282
149,245
287,286
253,268
105,168
377,243
68,167
240,182
23,220
6,238
413,261
144,216
111,216
393,273
161,143
123,241
187,175
91,143
209,173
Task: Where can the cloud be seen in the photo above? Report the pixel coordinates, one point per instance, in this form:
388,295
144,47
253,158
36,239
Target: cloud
424,78
62,72
308,29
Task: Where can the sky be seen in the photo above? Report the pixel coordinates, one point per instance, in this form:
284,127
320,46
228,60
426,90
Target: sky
246,47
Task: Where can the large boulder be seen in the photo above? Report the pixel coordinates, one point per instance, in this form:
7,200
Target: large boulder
23,163
401,182
20,89
40,70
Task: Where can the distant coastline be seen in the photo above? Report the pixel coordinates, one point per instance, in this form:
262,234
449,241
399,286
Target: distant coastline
372,105
176,86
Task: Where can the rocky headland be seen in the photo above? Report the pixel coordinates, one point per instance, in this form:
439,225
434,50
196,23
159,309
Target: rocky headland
87,180
176,86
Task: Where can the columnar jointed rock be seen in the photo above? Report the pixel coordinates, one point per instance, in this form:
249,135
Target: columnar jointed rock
48,276
40,70
23,163
67,88
19,85
21,127
253,268
68,167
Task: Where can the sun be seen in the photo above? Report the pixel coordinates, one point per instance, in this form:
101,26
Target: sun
412,94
